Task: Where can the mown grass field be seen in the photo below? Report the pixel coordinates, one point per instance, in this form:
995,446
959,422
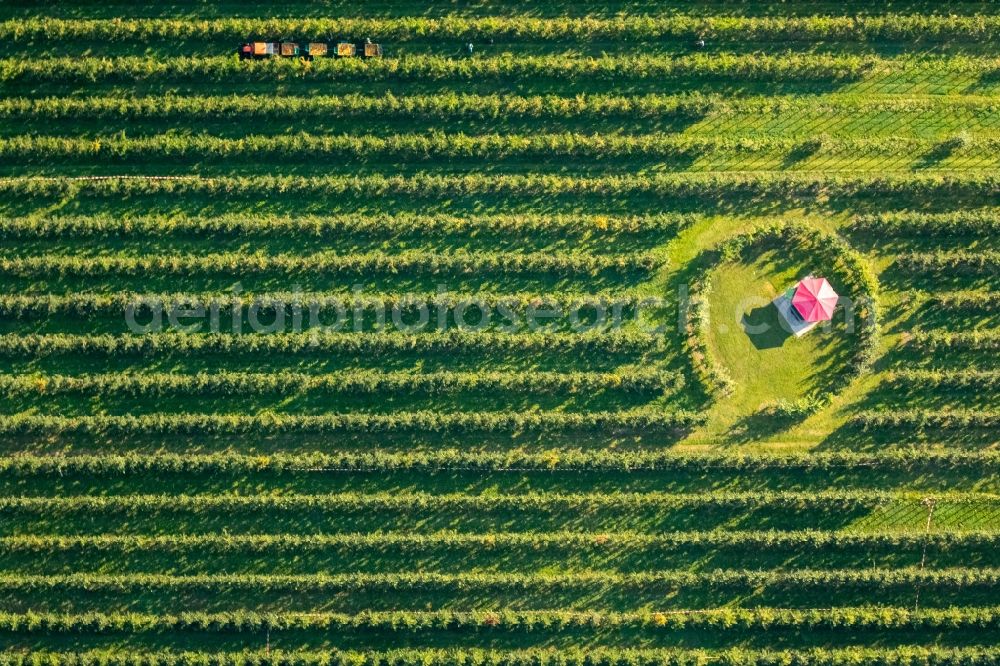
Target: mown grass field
446,484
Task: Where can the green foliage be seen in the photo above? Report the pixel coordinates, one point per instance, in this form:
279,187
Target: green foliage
439,459
714,378
888,26
980,262
435,106
378,225
591,581
985,339
923,419
849,267
792,409
426,147
864,617
622,341
636,420
596,656
410,262
965,301
452,105
353,382
693,186
944,379
419,503
429,68
984,222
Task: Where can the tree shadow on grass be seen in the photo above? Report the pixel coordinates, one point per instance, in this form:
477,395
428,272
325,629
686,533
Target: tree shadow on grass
764,327
758,426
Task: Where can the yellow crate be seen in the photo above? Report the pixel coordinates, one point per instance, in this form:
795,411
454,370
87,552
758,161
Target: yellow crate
346,50
317,48
289,48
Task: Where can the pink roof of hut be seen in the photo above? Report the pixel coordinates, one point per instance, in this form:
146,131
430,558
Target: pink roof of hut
814,299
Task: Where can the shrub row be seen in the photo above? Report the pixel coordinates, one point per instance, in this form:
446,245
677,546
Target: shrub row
906,655
921,419
456,105
416,502
604,460
303,147
313,227
713,376
969,301
946,379
979,262
985,222
225,383
409,262
986,339
689,186
635,420
863,617
433,68
414,542
892,26
437,106
453,341
591,581
87,304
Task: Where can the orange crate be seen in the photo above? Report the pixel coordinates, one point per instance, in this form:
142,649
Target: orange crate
260,48
317,48
289,49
